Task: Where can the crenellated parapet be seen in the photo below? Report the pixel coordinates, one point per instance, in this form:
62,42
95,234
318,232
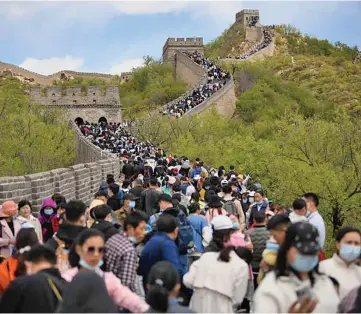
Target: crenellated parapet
182,45
89,96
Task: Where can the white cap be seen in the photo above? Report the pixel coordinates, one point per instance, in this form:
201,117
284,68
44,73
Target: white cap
172,180
222,222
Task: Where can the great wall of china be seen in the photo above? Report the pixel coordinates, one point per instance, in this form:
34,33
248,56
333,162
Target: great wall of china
82,180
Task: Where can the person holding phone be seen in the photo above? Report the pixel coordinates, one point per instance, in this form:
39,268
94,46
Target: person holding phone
295,285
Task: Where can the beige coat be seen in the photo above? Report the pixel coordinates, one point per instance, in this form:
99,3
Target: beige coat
5,248
217,285
35,222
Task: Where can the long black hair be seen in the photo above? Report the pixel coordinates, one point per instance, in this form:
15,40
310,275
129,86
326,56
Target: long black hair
25,240
218,239
162,279
242,252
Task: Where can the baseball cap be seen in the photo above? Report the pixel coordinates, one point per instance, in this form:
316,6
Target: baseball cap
130,197
306,238
221,222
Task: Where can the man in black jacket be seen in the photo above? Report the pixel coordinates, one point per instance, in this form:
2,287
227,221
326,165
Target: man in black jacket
41,290
70,229
103,216
114,199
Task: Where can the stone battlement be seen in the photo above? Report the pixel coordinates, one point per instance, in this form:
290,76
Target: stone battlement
74,96
48,79
245,17
183,42
172,45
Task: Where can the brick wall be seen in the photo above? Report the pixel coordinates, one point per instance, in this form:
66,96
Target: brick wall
80,181
224,101
189,71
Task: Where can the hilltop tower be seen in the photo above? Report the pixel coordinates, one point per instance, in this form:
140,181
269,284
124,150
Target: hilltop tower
181,44
248,18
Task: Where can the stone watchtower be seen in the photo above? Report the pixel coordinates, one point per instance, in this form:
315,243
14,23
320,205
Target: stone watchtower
181,44
247,18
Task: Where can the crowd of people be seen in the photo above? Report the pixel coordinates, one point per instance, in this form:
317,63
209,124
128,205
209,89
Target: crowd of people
114,138
216,79
173,235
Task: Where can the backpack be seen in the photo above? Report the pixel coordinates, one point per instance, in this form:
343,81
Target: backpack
185,233
154,223
62,255
230,207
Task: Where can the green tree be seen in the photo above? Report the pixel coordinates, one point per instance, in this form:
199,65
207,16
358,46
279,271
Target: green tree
32,139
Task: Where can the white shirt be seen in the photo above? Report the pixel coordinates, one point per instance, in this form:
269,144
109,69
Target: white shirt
294,217
348,277
317,220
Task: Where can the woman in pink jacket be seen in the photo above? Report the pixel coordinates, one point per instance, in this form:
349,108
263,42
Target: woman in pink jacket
9,228
90,248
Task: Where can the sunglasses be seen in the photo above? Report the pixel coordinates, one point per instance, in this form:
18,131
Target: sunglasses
91,250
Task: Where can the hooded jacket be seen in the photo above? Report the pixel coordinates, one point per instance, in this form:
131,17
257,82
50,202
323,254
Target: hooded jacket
49,224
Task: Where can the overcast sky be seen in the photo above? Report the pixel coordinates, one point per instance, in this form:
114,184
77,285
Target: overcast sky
112,37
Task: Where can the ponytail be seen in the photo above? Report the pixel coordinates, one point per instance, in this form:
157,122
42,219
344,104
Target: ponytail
162,279
157,297
224,254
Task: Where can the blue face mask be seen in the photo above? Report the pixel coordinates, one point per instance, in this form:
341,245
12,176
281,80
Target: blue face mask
132,204
350,252
236,225
272,247
48,211
244,201
206,187
259,203
133,240
304,263
85,265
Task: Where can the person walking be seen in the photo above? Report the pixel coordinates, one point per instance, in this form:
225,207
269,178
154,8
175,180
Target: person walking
121,257
198,223
342,265
259,236
163,286
9,228
315,218
25,216
161,247
89,247
295,284
219,278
